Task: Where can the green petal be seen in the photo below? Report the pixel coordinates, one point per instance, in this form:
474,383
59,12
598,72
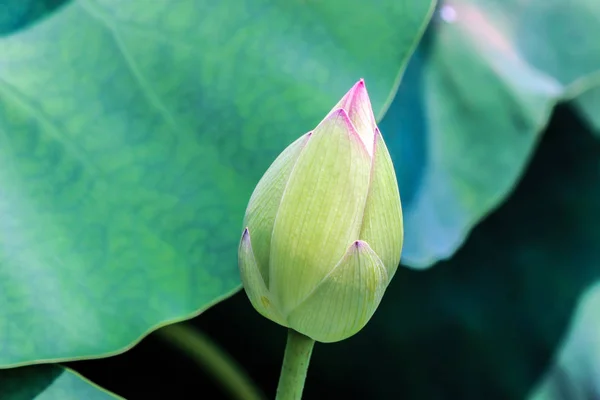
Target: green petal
253,283
345,300
264,202
358,106
321,210
382,225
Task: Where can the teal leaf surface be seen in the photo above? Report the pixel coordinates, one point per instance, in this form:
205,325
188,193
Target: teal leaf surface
476,96
18,14
131,136
48,382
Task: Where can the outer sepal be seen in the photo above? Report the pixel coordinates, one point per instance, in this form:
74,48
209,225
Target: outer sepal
346,299
264,203
254,285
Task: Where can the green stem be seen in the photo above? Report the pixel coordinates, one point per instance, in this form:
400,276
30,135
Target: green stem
212,359
295,364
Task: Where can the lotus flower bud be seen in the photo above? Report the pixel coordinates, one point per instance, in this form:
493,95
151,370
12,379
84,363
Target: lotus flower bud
324,226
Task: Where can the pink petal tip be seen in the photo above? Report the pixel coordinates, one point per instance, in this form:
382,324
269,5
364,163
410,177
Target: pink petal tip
340,113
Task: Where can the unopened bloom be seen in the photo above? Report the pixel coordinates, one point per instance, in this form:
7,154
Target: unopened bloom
324,226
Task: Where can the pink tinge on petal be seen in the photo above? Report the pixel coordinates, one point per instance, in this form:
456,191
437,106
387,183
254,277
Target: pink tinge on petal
376,134
340,117
357,105
357,93
246,236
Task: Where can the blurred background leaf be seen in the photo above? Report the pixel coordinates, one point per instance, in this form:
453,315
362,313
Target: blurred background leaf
589,104
574,375
48,382
19,14
131,136
475,98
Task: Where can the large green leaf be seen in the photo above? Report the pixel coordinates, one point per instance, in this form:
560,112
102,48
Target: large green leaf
48,382
468,114
18,14
131,136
